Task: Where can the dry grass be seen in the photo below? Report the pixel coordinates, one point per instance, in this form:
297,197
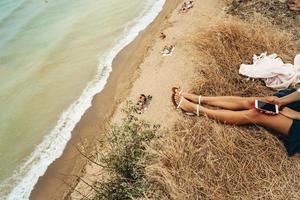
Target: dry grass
202,159
276,11
230,43
207,160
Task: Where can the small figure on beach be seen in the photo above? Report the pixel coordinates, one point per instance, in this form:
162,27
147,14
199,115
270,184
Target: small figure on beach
162,35
294,5
167,50
183,8
142,103
186,6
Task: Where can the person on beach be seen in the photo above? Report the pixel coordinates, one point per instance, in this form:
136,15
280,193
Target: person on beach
183,8
241,111
143,103
186,6
167,50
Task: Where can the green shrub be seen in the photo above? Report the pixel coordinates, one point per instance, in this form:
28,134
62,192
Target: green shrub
122,158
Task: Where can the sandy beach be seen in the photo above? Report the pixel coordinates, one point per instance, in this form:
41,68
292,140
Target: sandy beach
158,74
61,176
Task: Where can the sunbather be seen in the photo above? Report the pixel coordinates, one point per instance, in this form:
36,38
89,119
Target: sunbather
240,111
167,50
141,103
186,6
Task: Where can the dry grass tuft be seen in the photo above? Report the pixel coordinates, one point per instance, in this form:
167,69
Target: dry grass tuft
202,159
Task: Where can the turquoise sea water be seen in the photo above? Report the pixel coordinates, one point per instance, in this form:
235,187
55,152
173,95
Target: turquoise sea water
54,56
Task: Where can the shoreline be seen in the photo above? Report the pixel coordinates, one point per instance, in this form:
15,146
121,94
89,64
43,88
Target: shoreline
103,107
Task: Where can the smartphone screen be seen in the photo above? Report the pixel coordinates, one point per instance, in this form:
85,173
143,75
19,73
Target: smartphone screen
266,106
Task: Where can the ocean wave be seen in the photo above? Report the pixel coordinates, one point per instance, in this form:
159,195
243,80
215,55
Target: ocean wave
53,144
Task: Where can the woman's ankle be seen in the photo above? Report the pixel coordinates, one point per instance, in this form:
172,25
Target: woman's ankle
192,97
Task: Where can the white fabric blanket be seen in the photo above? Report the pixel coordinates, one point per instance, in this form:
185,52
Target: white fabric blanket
273,71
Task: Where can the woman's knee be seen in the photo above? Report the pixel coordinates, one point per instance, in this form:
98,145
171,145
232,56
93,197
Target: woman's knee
259,118
255,116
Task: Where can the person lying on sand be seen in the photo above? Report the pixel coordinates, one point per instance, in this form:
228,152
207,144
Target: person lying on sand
168,50
186,6
236,110
142,102
294,5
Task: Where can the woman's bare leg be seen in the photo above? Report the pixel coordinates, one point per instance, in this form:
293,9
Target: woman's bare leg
231,102
226,102
279,122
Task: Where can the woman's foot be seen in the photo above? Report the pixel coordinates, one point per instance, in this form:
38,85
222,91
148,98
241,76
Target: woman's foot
191,97
186,105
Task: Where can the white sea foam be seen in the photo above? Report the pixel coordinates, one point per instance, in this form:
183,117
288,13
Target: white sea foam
53,144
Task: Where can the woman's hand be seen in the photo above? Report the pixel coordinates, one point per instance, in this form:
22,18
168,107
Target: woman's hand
292,114
295,96
275,100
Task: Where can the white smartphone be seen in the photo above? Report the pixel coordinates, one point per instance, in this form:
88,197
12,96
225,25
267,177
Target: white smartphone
266,107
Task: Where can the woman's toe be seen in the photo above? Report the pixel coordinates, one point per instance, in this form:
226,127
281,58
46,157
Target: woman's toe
177,99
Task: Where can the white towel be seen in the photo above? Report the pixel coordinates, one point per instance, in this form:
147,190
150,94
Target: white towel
273,71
